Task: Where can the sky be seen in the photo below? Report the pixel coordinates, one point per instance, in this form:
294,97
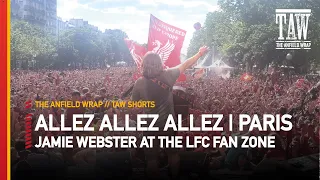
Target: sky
133,16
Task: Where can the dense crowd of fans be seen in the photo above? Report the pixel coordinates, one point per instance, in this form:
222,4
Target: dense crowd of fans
262,94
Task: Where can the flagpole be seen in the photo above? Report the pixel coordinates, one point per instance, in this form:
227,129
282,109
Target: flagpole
149,32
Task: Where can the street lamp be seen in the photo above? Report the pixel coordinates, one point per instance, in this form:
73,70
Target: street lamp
289,56
287,67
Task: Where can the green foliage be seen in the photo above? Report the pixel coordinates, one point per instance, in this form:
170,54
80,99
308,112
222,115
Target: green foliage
245,31
75,47
28,41
86,48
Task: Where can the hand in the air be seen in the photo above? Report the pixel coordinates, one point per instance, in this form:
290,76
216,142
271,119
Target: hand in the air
203,50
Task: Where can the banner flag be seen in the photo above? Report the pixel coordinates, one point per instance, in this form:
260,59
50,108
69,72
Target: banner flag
137,51
166,40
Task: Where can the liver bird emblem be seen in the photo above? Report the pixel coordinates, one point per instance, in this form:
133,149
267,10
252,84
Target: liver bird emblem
136,57
164,51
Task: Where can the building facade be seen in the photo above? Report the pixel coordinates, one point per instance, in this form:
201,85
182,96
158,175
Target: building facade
81,23
61,25
42,13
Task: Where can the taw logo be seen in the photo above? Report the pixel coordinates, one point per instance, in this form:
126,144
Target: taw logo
293,28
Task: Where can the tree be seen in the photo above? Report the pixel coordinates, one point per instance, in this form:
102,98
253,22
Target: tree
244,32
83,47
119,48
79,47
29,42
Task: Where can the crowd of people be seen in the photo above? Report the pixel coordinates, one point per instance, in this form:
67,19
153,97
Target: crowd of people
262,94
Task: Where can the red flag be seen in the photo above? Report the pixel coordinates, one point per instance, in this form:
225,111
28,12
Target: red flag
137,51
166,40
199,73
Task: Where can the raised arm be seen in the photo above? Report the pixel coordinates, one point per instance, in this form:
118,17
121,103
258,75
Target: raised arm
189,62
